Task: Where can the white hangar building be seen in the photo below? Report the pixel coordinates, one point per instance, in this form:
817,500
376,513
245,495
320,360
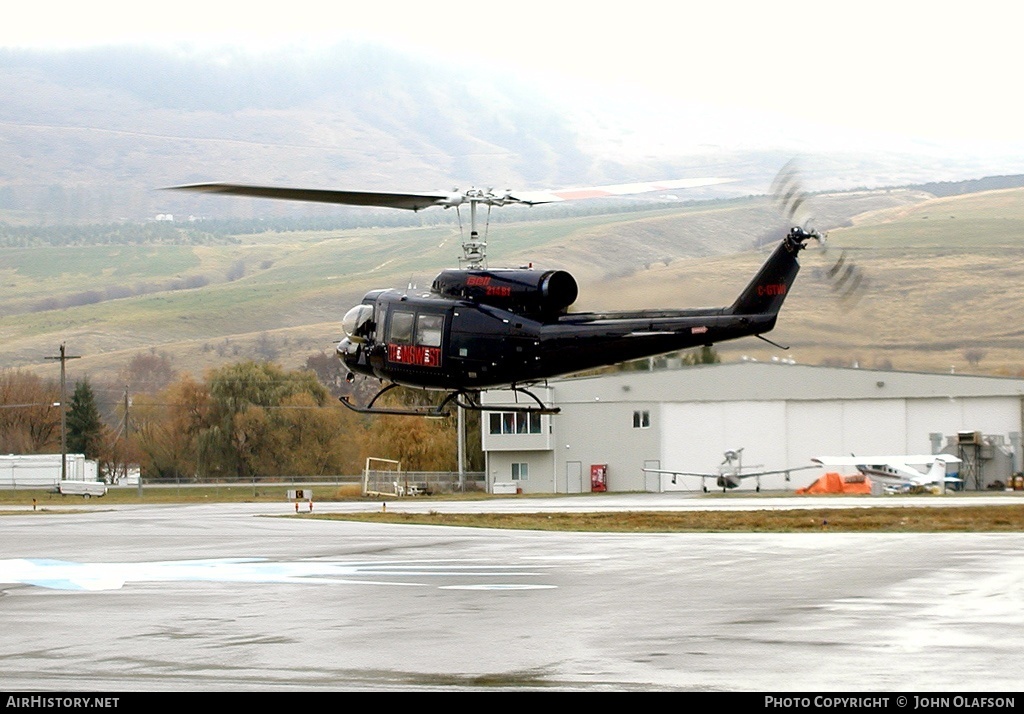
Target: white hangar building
781,415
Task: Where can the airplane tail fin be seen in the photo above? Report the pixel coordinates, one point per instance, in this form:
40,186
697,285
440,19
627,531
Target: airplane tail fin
767,291
939,471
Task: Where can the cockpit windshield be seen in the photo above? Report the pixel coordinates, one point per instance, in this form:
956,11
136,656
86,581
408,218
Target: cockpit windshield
355,321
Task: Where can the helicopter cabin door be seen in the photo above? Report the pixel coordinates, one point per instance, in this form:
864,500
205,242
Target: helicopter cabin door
414,339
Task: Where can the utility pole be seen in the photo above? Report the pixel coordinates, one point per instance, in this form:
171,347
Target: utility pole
123,431
63,357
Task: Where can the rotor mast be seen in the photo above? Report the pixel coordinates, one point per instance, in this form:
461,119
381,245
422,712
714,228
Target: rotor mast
474,250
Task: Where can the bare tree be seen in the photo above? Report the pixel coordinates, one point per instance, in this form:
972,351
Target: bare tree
29,418
974,355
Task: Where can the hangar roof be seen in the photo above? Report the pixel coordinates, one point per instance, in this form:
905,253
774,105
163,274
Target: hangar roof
769,381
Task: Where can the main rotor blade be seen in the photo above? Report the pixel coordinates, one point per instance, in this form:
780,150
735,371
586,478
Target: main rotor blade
418,201
407,201
622,189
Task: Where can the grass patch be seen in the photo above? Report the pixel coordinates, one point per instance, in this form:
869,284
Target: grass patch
883,519
953,519
262,493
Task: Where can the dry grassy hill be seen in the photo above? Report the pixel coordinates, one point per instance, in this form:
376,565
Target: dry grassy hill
945,281
945,286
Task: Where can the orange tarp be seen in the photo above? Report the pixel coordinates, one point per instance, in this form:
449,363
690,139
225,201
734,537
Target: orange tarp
834,483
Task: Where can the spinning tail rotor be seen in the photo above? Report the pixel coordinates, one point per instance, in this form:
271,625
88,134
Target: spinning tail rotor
789,196
846,279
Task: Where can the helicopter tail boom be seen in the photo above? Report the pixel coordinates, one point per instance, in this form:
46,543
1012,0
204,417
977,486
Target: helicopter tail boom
765,294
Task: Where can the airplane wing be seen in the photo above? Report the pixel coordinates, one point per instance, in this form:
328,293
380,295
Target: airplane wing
891,459
841,460
747,474
681,473
775,471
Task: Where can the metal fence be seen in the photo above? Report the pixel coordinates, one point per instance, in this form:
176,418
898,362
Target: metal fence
386,482
415,483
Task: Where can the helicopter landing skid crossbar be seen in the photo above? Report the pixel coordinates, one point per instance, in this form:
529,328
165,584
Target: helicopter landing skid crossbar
469,400
424,411
473,402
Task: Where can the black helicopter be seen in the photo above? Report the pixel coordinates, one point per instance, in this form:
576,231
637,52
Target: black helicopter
479,328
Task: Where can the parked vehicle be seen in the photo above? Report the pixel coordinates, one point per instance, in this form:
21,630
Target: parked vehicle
85,489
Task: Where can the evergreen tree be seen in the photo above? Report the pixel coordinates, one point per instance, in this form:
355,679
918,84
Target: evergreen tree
85,429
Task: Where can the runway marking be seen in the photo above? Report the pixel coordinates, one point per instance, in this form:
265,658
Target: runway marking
497,586
574,558
67,575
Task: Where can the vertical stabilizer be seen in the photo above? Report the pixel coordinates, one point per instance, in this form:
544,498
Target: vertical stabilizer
767,291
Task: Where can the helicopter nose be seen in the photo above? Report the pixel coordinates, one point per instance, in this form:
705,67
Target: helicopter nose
347,349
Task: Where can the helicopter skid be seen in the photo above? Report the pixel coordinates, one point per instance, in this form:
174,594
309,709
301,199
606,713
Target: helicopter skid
469,401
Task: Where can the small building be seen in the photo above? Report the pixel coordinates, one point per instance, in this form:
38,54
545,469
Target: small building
612,427
43,470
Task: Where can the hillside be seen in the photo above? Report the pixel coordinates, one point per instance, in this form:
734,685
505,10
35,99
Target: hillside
946,277
88,135
933,265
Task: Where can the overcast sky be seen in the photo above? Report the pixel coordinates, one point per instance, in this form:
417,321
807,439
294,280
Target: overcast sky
938,74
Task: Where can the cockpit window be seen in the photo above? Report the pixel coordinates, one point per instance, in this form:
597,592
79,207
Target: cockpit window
354,324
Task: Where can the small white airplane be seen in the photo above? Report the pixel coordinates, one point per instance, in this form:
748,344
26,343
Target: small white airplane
900,471
730,472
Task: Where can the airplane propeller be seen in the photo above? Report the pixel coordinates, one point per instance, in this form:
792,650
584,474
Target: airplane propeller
845,277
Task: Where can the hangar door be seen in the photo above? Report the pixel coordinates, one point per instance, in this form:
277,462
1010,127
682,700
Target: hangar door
699,434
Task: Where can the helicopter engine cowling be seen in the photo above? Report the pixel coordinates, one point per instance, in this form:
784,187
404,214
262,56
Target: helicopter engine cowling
523,291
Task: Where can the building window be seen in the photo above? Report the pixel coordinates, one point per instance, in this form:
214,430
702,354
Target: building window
641,419
514,423
520,472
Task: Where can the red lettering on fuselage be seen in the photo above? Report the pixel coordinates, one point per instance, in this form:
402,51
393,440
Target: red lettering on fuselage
484,281
771,289
415,355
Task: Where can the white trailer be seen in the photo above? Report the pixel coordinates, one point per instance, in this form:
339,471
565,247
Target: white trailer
43,470
86,489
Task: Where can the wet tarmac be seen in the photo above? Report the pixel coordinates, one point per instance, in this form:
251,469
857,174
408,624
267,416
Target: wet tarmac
219,598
